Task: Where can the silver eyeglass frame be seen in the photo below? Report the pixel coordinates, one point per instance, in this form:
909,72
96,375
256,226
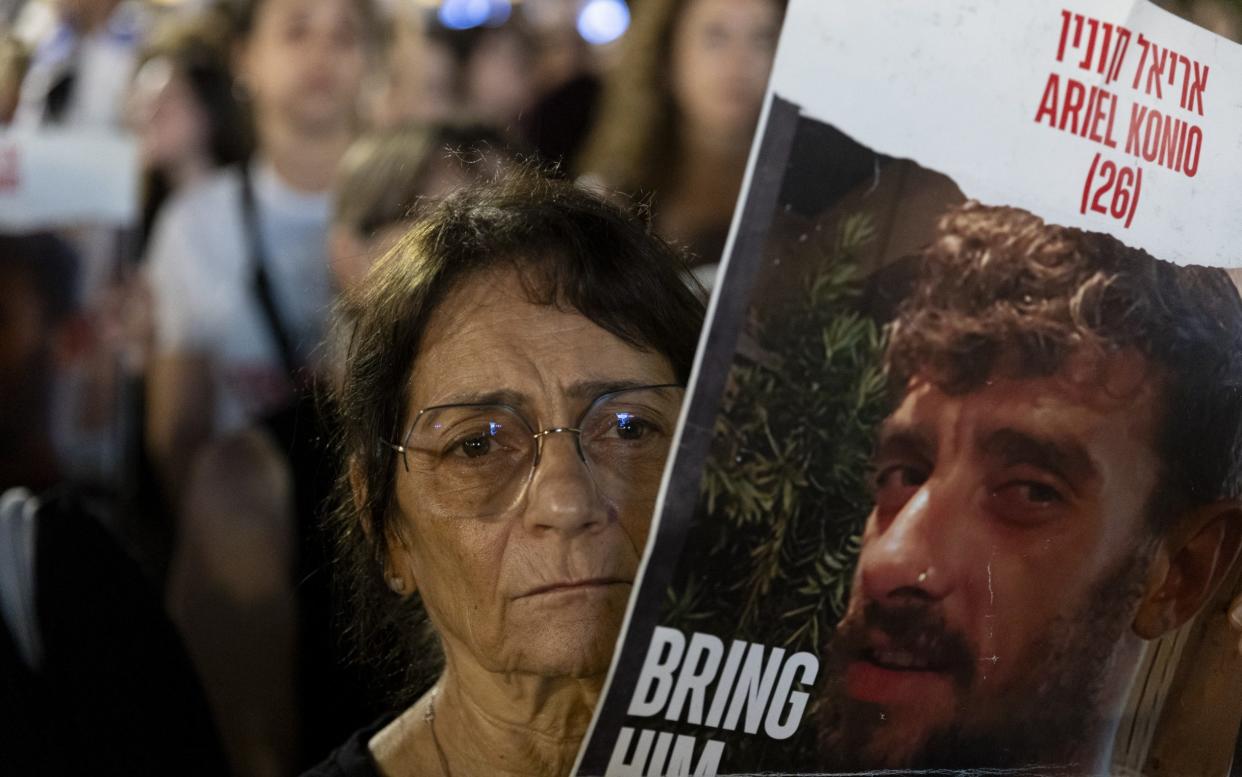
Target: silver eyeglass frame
538,436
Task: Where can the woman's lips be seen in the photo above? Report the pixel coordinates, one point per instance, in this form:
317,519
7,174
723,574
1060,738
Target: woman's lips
569,586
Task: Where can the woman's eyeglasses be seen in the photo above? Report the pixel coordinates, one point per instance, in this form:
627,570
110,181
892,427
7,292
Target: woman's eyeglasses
476,459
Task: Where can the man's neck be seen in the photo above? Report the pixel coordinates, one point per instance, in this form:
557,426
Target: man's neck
488,723
305,161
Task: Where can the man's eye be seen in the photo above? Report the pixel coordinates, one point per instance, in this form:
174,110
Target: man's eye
895,484
1030,491
1025,501
900,476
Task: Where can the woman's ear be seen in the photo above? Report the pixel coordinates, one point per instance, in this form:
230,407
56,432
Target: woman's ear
397,572
1191,560
398,566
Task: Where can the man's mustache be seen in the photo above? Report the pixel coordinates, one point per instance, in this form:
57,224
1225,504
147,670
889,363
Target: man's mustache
916,629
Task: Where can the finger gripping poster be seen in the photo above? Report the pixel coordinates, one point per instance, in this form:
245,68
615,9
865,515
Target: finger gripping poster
959,484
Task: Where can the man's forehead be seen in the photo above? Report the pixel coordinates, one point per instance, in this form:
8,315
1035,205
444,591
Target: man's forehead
1110,401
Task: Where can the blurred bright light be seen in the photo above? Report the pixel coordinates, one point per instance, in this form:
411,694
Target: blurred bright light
499,13
464,14
603,21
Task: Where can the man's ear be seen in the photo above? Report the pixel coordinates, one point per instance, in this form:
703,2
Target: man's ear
1189,563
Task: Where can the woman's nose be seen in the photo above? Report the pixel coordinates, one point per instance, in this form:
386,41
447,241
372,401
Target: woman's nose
908,557
562,495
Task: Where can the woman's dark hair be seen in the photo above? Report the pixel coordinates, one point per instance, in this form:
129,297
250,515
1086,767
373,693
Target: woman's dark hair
637,127
572,251
197,51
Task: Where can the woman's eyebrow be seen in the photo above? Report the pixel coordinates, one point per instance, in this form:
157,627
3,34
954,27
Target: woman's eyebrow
590,389
492,397
584,390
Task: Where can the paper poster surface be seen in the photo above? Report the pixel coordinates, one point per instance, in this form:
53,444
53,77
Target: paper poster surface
958,483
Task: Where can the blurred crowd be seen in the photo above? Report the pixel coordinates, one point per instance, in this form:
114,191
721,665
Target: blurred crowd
160,379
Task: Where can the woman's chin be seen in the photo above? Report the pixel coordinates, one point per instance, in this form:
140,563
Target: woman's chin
574,642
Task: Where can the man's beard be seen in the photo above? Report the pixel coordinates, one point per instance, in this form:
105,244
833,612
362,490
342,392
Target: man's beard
1051,716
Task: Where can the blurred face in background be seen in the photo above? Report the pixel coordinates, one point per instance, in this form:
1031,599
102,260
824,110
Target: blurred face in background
498,81
420,84
304,63
721,55
85,14
171,123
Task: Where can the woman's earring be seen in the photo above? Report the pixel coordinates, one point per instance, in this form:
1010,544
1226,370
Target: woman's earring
397,584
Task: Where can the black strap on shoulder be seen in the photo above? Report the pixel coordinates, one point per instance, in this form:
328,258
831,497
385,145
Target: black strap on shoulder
262,281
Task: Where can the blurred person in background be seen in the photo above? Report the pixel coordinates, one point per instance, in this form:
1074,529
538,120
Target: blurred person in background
240,278
238,264
497,82
14,61
488,72
80,70
184,109
82,60
568,85
253,563
93,677
387,175
680,110
38,273
418,81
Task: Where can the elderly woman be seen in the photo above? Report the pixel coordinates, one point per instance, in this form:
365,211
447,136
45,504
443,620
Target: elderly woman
514,378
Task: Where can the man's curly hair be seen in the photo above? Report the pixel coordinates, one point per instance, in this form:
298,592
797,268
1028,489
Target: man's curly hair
1002,293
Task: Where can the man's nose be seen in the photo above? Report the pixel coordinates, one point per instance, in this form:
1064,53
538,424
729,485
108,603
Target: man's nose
563,496
906,557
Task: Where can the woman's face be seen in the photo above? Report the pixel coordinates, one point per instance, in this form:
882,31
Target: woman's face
721,55
304,62
540,585
171,123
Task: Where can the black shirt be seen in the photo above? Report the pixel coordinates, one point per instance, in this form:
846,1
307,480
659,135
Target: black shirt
353,759
115,693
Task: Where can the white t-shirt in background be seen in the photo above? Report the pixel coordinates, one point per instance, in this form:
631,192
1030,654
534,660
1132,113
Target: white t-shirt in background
202,277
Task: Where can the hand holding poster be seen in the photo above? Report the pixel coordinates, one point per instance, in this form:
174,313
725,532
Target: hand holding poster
960,483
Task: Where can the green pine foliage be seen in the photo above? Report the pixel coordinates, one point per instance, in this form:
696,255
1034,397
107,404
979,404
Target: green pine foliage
786,488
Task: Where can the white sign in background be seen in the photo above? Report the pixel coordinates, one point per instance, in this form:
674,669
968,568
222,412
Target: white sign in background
955,85
51,178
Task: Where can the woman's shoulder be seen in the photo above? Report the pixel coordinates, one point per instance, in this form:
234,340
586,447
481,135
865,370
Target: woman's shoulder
353,759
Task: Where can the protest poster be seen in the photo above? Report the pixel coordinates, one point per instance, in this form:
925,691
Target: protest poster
957,486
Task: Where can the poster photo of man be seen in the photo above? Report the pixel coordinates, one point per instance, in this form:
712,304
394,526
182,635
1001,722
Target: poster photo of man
959,486
1057,482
